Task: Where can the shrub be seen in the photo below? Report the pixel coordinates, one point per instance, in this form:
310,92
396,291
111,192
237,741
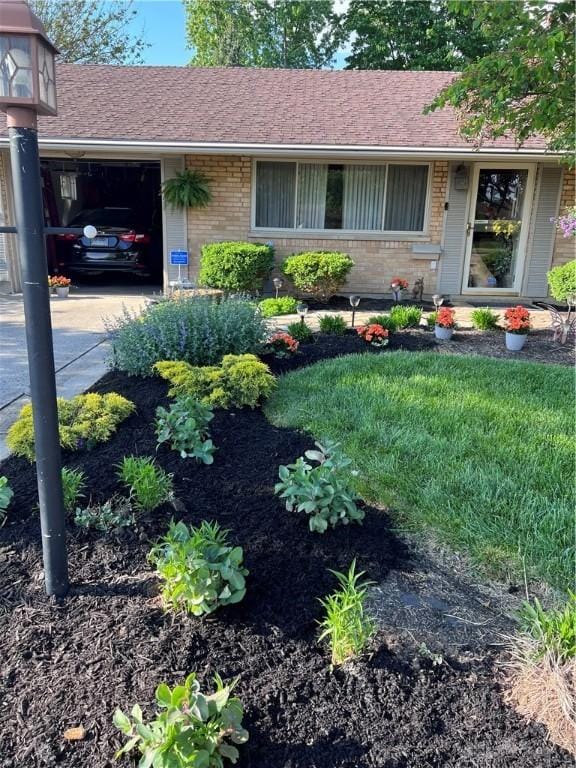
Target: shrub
282,344
284,305
562,281
333,324
198,330
345,625
73,481
185,426
6,494
300,331
483,319
198,569
235,267
385,321
241,380
374,335
321,491
191,728
405,316
114,513
554,631
320,273
150,486
83,421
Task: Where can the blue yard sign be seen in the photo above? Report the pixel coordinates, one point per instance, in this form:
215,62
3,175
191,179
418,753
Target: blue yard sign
179,258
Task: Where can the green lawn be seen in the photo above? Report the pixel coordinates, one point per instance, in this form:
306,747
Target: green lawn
481,450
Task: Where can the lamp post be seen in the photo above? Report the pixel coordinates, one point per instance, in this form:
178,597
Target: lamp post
438,301
278,283
302,310
27,89
354,301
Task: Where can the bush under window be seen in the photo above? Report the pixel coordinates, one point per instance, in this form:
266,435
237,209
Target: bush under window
319,273
239,267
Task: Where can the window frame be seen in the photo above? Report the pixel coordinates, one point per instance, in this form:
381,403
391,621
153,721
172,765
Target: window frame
343,234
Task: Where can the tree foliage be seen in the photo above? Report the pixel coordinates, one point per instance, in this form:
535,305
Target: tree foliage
293,34
91,31
526,89
420,34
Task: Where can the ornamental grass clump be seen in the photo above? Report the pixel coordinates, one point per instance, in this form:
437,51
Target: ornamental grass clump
318,273
484,319
345,626
199,330
283,305
73,483
83,421
406,316
333,324
185,426
281,344
323,491
385,321
190,729
149,485
300,331
199,570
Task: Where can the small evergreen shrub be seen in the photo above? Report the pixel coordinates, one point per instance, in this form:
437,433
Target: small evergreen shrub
241,380
190,729
483,319
83,421
150,486
6,495
406,316
236,267
199,330
73,482
199,570
300,331
320,273
385,321
284,305
115,513
185,426
562,281
333,324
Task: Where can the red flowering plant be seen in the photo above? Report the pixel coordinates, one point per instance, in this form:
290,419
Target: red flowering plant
398,284
517,320
374,334
282,344
58,281
445,317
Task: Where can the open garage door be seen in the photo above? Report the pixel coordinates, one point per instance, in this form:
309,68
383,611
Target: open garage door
122,200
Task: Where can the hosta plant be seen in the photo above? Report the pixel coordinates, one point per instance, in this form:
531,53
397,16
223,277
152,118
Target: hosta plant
115,513
191,729
149,485
321,491
6,494
185,426
73,482
199,570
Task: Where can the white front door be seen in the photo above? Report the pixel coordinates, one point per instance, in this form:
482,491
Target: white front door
497,228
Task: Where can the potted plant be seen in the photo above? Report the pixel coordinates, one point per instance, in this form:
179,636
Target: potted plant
445,323
397,285
517,321
188,189
61,284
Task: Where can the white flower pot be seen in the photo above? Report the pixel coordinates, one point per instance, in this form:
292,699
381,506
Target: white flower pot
444,334
515,341
62,291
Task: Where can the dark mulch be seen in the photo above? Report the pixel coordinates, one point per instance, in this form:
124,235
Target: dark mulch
379,305
109,643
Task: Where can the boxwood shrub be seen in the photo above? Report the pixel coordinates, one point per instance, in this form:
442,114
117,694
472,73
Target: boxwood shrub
319,273
562,281
283,305
235,267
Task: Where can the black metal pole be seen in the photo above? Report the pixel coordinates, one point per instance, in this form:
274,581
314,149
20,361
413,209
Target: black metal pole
28,209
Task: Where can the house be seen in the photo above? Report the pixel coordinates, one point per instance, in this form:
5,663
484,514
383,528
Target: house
306,159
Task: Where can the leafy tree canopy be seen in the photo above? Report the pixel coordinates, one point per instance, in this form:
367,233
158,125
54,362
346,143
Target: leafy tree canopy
262,33
91,31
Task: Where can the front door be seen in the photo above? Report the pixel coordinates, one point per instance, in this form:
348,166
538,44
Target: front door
497,229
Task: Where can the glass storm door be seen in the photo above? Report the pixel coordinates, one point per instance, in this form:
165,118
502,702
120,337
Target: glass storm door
496,230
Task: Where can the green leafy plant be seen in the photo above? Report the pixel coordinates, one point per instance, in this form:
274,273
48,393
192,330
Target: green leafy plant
6,495
73,482
200,330
431,320
187,189
284,305
484,319
321,491
83,421
300,331
240,380
386,321
185,426
320,273
554,630
199,570
562,281
114,513
406,316
345,625
333,324
235,266
150,486
190,730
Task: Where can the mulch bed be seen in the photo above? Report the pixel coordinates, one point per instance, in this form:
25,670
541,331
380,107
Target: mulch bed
110,643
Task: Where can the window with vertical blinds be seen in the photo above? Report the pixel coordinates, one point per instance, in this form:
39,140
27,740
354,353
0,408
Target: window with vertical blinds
331,196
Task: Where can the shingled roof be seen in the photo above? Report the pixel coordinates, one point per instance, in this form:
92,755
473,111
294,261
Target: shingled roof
254,106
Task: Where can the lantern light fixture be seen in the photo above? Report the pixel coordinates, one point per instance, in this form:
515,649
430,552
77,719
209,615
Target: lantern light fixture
438,300
278,283
302,310
354,301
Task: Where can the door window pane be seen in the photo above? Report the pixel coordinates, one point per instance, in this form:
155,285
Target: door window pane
406,198
275,194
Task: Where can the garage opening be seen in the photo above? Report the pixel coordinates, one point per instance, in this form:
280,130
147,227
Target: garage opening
122,200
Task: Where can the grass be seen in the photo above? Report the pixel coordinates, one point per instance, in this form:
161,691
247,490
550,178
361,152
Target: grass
480,450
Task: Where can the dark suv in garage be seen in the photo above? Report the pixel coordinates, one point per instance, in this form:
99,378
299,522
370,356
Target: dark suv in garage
124,243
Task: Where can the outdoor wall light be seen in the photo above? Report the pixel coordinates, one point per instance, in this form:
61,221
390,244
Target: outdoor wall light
354,301
302,310
438,300
278,283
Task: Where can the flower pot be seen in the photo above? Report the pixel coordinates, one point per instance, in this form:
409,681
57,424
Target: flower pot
515,341
62,291
444,334
397,295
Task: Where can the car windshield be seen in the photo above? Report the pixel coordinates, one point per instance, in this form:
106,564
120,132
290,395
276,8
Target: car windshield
106,217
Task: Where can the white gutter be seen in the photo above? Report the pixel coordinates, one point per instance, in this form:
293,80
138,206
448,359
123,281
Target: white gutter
76,146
